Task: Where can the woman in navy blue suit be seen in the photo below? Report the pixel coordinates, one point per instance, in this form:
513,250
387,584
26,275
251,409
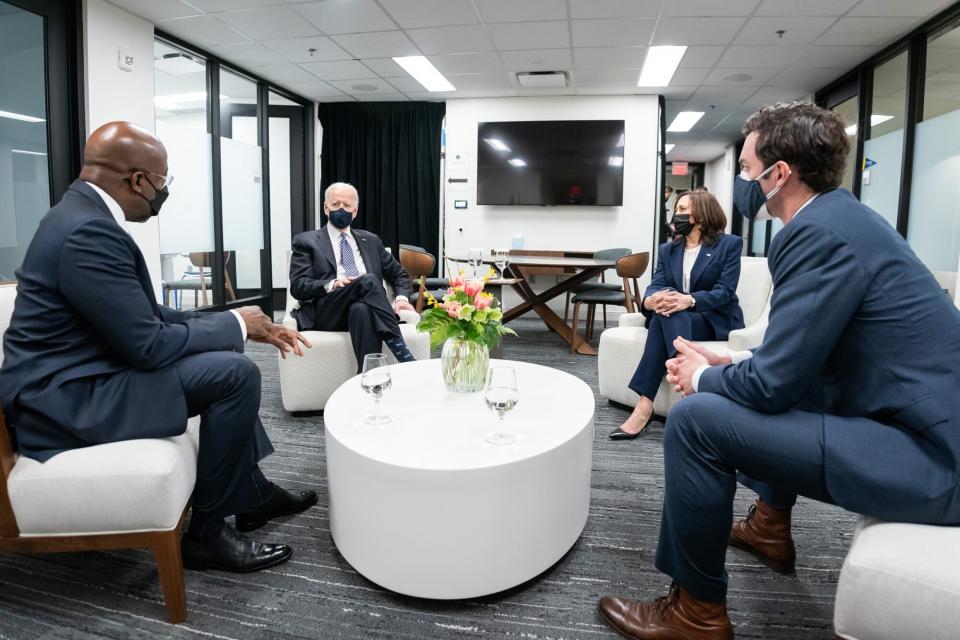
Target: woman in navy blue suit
693,294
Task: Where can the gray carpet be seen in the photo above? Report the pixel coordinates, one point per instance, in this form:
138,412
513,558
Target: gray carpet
318,595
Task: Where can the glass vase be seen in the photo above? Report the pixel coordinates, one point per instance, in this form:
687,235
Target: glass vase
464,364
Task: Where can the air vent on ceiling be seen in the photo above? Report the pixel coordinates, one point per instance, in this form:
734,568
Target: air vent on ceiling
177,64
542,79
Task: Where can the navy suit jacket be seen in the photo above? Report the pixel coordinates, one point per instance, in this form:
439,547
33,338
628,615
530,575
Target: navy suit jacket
713,281
88,355
313,264
861,331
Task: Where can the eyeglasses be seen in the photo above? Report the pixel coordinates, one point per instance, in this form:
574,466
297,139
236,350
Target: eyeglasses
165,180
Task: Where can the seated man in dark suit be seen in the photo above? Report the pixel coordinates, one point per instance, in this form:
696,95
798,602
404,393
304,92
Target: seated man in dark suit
851,399
91,358
337,273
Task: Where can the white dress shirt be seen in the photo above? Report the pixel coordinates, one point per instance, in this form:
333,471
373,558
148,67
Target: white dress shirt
117,212
740,356
335,235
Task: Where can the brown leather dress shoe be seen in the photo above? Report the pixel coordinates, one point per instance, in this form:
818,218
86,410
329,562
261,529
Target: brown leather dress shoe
675,616
765,533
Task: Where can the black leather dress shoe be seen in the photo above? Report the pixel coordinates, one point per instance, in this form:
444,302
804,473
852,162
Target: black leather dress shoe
620,434
231,551
280,503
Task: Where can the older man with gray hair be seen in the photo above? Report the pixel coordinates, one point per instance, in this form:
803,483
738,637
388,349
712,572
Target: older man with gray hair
337,272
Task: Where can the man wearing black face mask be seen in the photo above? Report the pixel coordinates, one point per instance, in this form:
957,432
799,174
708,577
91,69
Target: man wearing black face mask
90,357
337,273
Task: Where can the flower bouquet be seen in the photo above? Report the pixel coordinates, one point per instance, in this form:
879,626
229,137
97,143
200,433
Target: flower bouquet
467,323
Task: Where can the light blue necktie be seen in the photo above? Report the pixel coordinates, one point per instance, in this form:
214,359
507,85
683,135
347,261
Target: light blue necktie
346,258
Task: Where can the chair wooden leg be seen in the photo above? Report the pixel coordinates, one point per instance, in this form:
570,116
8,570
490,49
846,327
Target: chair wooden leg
166,551
575,327
591,315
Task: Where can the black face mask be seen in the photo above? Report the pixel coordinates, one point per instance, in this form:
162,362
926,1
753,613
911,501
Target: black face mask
159,197
682,225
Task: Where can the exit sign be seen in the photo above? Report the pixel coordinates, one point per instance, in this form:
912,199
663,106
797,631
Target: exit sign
679,168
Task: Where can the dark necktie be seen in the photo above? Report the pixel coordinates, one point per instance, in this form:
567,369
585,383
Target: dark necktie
346,258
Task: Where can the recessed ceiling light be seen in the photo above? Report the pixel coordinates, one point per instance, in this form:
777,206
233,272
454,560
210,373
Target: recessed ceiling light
667,148
20,116
620,140
497,144
660,65
739,77
685,121
615,161
425,73
518,162
875,119
364,87
27,153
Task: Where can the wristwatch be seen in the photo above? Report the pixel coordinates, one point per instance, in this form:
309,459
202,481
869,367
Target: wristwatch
693,302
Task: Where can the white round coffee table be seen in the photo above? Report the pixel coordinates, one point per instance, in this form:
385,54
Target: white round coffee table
424,506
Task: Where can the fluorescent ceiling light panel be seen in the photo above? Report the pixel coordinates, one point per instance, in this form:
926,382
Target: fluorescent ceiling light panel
620,140
28,153
875,119
518,162
20,116
667,148
660,65
615,161
425,73
496,144
685,121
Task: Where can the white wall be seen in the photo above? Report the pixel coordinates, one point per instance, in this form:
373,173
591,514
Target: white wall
718,178
112,94
561,227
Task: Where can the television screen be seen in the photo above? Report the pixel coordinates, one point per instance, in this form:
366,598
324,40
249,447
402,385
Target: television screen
555,162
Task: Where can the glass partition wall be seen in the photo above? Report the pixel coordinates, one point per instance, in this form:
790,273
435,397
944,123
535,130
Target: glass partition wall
223,144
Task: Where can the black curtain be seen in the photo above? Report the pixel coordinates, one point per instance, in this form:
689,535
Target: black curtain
390,151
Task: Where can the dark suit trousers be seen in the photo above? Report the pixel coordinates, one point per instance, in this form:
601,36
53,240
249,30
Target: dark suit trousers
361,308
661,332
223,388
709,441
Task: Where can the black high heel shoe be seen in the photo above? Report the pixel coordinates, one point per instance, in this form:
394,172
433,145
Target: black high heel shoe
620,434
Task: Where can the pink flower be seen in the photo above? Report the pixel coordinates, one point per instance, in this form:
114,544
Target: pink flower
482,302
456,281
452,308
473,288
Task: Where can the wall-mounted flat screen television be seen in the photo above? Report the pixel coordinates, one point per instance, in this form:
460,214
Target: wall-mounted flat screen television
550,162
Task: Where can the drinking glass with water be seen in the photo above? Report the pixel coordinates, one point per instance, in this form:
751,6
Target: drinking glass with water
502,259
474,259
375,380
501,397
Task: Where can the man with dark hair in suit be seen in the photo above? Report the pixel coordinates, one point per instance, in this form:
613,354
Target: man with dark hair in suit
851,399
91,358
337,273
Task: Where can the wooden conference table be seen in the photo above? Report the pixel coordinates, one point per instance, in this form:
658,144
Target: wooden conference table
583,269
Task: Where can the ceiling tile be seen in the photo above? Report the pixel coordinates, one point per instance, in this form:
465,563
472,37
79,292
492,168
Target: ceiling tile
701,56
458,39
602,91
268,22
205,29
614,8
600,33
343,97
214,6
806,79
681,93
899,8
798,30
406,84
467,63
530,35
471,81
831,57
538,60
527,10
606,57
385,67
739,77
474,93
777,94
383,44
315,89
157,11
338,70
555,91
679,31
760,56
625,79
249,54
865,31
286,73
720,97
689,77
382,97
363,86
346,16
298,49
411,14
706,8
805,8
